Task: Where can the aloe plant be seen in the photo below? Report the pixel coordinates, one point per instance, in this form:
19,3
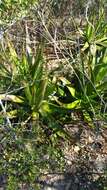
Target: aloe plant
86,91
27,73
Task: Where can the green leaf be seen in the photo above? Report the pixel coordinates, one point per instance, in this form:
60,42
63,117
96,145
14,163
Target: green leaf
102,87
99,71
37,67
67,83
45,108
101,74
104,44
93,49
105,59
89,32
61,91
27,90
12,114
25,66
85,47
40,93
104,39
35,115
72,105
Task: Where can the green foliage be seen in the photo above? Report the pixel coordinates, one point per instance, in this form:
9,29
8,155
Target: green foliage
28,74
13,10
28,148
87,89
37,105
27,153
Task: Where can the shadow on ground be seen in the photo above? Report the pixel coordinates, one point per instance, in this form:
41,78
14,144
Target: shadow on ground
77,181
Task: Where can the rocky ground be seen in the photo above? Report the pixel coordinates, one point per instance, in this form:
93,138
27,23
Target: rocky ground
86,162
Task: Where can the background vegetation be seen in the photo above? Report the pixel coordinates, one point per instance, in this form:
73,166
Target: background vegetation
53,63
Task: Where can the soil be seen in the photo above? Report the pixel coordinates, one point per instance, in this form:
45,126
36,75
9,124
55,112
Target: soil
86,162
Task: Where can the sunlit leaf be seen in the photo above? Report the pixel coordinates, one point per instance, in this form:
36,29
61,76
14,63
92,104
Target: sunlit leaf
45,108
67,83
35,115
12,114
72,105
104,39
85,47
93,49
61,91
13,98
